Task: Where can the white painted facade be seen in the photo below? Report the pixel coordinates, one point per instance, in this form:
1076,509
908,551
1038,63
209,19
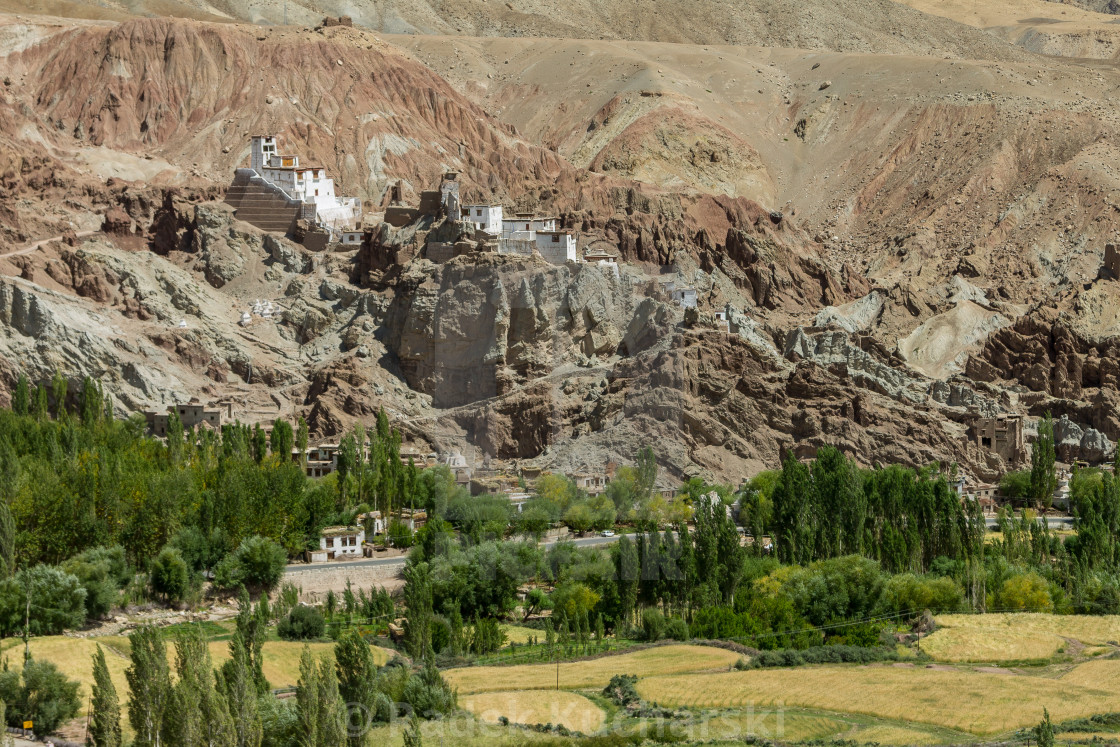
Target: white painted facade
556,247
344,542
486,218
310,184
525,227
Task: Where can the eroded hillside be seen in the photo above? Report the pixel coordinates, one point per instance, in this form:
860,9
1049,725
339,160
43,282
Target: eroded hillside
904,226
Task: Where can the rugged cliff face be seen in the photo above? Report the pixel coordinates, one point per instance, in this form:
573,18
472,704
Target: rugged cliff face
895,245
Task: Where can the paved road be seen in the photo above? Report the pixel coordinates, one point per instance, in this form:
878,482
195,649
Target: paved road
400,560
1054,522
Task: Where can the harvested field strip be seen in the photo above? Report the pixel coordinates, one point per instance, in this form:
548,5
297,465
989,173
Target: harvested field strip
1103,674
1093,630
981,704
594,673
74,657
991,644
537,707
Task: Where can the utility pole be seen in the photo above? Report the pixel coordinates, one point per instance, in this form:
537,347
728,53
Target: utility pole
27,627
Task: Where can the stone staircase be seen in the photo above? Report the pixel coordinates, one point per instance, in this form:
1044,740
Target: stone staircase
263,204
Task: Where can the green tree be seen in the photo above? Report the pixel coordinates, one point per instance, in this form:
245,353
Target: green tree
40,693
91,401
418,604
41,408
1044,481
301,440
170,576
1044,732
149,685
281,440
105,707
332,709
412,735
239,688
21,398
59,389
262,563
646,466
357,675
196,714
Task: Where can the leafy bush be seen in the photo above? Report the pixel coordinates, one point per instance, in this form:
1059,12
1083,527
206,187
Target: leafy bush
170,576
101,571
653,625
262,563
428,693
621,689
823,655
58,598
301,624
677,629
44,696
486,636
441,633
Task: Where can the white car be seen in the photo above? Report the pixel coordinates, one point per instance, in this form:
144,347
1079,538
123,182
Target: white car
606,533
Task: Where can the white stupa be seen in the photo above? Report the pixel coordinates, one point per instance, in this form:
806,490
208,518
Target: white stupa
246,319
182,324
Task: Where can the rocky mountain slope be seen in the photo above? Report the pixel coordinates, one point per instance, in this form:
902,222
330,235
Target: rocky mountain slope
903,220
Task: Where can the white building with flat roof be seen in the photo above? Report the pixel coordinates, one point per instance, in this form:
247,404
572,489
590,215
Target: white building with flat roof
309,184
486,218
524,226
556,247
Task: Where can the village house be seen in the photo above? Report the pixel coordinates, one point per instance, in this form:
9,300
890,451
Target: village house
524,226
592,484
373,522
485,218
556,247
1001,435
192,415
342,542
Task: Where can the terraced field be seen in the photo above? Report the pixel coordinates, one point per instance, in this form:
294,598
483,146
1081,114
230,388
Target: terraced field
1016,637
979,703
537,707
660,660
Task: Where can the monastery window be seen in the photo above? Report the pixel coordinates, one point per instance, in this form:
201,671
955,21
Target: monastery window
556,239
478,213
985,441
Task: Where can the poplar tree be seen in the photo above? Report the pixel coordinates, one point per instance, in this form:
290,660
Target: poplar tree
239,687
280,440
21,399
105,708
332,708
1043,480
307,700
418,602
301,440
356,679
41,408
149,686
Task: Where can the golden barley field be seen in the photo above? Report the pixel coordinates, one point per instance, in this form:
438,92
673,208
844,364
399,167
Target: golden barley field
595,673
1015,636
978,703
74,657
536,707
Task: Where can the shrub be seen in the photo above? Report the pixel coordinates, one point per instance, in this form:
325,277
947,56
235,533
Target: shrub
58,599
301,624
441,633
428,693
170,576
262,563
677,629
621,690
44,696
486,636
653,625
227,574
